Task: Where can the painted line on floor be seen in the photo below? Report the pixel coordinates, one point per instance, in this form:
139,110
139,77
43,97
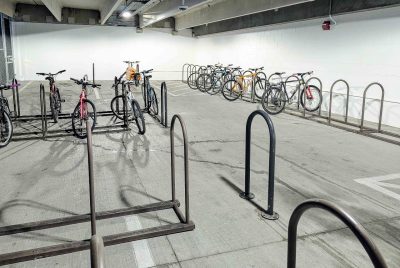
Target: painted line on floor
24,87
379,184
141,249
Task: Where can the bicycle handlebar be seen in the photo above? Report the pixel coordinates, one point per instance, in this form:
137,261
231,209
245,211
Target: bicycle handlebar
147,71
85,83
50,74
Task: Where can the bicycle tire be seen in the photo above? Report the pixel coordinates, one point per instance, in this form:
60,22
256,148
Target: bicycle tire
153,102
6,129
260,86
316,91
53,109
231,90
80,130
190,79
275,96
138,116
204,82
120,114
216,86
59,106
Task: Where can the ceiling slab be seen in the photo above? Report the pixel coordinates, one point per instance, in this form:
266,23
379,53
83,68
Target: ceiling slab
108,9
55,7
227,9
7,7
166,9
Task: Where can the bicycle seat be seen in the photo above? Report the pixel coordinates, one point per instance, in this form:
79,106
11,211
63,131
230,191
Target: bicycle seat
280,73
148,76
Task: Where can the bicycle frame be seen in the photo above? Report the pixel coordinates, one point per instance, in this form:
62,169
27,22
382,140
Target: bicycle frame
83,109
246,81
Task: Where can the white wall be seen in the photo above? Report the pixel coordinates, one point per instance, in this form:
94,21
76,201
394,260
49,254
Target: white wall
362,48
53,47
360,52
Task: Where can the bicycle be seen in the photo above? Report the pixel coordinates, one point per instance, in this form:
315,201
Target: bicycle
242,83
212,82
84,110
275,98
131,106
149,94
131,72
6,126
55,98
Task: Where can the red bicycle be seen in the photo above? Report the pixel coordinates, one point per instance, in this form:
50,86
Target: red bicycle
84,110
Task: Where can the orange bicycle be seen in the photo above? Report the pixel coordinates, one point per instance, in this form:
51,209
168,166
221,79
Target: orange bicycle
248,82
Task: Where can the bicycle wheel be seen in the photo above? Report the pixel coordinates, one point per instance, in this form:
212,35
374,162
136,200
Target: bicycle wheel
58,100
216,86
260,87
117,107
231,90
153,102
78,121
138,116
204,82
313,98
273,100
192,81
54,111
6,129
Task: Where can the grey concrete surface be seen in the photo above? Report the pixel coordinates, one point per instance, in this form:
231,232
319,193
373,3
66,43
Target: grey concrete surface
43,179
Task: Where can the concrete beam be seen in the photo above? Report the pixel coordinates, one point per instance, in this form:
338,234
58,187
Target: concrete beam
108,9
301,12
7,7
227,9
167,9
55,7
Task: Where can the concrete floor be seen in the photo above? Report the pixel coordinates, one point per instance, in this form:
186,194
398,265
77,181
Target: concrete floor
47,179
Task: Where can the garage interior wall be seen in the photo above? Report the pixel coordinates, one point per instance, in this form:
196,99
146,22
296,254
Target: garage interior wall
52,47
361,52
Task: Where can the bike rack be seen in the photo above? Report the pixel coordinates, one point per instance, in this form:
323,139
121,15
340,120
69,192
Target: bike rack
184,224
331,99
381,106
43,110
183,72
357,229
305,87
164,104
269,213
15,95
298,85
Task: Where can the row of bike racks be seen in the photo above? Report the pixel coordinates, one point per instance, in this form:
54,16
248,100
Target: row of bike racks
269,213
96,242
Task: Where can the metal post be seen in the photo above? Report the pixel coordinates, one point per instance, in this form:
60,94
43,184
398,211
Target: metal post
269,213
357,229
97,252
186,163
164,105
17,92
93,73
381,108
91,180
14,99
43,110
331,100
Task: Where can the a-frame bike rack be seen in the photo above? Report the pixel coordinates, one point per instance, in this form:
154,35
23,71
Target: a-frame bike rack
184,224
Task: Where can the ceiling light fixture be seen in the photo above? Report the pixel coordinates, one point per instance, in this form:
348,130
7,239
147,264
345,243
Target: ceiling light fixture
126,14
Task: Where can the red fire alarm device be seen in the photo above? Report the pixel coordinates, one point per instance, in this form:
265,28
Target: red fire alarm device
326,25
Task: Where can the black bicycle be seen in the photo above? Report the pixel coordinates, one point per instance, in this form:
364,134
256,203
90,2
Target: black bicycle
55,97
276,96
6,126
149,94
130,105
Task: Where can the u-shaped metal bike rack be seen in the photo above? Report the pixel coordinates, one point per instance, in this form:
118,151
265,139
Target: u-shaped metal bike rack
305,88
288,80
355,227
269,212
381,106
43,111
184,70
346,116
164,104
184,224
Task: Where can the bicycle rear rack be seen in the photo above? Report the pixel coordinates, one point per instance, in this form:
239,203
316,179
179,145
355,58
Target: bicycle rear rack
357,229
184,225
269,212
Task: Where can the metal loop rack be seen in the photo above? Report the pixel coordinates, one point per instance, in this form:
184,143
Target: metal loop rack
269,212
381,106
357,229
346,116
184,224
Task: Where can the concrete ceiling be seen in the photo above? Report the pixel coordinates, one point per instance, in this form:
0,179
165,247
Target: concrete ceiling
78,4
